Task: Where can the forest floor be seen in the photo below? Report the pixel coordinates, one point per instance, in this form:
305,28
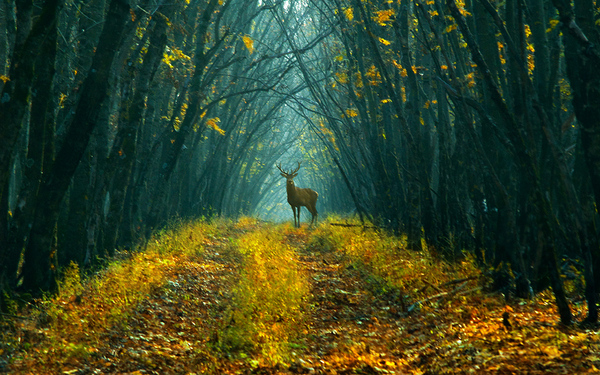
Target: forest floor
255,298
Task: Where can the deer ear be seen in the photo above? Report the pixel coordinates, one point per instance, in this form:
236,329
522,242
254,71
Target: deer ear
282,175
294,175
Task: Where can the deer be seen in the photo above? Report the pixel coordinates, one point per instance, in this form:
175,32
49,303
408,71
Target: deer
298,197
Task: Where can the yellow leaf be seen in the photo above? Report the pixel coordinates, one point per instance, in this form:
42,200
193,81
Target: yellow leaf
249,42
384,101
342,78
427,104
384,42
461,8
383,16
351,112
4,78
449,28
61,100
554,23
213,124
349,13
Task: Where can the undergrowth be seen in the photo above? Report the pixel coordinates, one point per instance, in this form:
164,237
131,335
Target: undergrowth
265,321
386,259
70,322
266,315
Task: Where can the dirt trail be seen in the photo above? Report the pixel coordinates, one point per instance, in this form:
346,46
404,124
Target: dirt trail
173,331
353,322
353,325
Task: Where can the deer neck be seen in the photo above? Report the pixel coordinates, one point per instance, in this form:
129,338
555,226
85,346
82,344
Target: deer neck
292,191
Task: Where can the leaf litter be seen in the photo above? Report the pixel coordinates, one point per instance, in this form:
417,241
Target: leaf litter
358,318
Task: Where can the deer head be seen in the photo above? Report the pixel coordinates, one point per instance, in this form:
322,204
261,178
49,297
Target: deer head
298,197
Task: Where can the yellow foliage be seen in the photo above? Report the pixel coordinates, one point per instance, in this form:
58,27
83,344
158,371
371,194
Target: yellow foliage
530,58
4,78
471,80
61,100
383,16
450,28
349,13
350,112
373,75
461,8
384,41
553,24
358,82
267,312
342,78
249,43
213,123
173,55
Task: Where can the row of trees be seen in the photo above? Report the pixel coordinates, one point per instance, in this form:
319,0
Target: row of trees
119,115
473,124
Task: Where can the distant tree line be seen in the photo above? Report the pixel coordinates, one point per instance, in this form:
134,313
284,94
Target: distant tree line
472,124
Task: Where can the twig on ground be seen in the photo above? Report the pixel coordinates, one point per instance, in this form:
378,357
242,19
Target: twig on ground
354,225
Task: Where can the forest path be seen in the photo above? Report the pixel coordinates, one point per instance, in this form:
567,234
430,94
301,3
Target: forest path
351,321
350,327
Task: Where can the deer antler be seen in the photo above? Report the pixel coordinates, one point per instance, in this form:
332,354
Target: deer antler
280,169
288,173
296,170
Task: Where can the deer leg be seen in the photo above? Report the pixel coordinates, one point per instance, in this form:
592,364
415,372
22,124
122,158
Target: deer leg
299,207
315,216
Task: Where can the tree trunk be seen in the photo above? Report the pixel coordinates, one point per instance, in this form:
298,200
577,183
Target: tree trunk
38,272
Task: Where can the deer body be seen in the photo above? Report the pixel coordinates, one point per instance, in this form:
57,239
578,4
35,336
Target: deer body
298,197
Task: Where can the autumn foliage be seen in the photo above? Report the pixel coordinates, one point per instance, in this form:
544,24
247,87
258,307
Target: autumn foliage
252,297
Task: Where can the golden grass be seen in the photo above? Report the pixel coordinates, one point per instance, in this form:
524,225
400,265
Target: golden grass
266,313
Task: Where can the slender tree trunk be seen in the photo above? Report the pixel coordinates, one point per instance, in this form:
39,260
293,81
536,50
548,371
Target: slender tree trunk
525,160
125,151
38,272
581,38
